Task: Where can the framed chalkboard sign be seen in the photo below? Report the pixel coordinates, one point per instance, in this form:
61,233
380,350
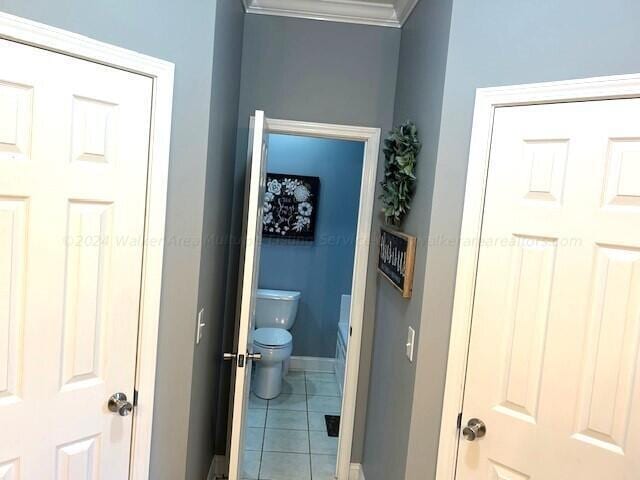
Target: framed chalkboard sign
396,259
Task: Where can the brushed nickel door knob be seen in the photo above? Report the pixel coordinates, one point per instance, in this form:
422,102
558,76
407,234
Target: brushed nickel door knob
118,404
475,429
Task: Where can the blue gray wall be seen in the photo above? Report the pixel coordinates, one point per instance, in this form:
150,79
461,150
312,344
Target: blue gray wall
324,72
321,270
182,33
490,44
225,93
421,76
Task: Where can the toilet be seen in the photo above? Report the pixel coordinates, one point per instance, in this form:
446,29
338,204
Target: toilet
275,314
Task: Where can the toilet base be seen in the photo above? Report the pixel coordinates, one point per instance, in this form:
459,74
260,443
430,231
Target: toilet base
267,384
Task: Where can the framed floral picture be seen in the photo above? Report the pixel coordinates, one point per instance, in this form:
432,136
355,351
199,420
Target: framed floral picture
290,206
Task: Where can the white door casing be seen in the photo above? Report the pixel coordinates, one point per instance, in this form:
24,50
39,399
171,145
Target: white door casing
250,261
74,149
371,139
554,348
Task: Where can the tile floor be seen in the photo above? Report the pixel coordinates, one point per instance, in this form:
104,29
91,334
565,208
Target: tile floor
286,438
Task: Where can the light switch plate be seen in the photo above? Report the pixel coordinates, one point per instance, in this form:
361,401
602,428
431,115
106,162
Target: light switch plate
411,336
200,326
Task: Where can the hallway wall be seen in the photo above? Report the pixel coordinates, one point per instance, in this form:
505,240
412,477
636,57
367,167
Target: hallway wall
490,44
498,43
182,33
207,355
323,72
421,75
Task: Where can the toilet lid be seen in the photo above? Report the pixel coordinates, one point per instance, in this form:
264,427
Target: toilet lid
272,337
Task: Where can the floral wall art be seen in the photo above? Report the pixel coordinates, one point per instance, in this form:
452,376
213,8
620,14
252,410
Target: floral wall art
290,206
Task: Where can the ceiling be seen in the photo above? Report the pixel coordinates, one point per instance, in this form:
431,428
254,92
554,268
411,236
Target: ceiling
387,13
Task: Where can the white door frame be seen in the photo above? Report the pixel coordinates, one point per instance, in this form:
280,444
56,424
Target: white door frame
487,100
161,72
371,139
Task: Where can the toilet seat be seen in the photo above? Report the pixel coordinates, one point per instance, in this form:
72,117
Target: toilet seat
274,338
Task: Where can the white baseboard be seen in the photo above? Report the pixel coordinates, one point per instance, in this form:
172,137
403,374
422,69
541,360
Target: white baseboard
313,364
218,467
355,472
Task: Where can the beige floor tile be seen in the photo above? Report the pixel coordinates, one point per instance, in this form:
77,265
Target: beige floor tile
288,441
253,438
289,401
323,467
285,466
256,417
323,443
287,419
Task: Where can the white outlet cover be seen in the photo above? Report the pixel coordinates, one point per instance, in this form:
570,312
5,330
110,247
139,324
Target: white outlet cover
411,337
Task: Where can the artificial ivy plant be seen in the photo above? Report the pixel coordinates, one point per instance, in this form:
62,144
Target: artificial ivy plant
401,149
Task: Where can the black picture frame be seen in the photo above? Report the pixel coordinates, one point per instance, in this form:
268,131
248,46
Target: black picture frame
290,206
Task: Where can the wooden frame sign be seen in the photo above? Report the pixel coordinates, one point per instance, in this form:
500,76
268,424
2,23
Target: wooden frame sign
397,258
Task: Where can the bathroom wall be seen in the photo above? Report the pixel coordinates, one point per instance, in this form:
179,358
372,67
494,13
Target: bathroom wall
314,71
321,270
182,33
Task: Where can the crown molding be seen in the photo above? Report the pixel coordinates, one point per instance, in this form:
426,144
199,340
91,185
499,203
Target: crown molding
404,9
392,13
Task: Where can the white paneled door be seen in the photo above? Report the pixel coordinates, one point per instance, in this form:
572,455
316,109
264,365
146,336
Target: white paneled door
74,139
554,362
248,283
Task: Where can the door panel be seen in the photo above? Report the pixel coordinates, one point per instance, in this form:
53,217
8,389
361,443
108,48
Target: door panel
554,360
250,262
74,139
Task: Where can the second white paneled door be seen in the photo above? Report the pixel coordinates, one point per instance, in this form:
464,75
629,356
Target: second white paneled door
74,139
554,360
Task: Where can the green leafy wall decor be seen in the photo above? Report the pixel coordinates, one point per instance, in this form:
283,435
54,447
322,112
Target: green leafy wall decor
401,149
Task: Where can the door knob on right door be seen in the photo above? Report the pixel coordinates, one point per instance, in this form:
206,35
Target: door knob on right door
475,429
118,404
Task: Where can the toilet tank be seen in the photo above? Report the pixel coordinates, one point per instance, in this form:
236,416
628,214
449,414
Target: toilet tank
276,308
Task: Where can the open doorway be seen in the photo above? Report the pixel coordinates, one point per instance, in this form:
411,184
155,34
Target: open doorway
310,218
311,186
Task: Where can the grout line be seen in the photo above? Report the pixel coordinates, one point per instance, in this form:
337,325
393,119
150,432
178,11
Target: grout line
306,396
264,436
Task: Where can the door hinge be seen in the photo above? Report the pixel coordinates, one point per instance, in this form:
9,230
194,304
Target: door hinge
135,398
459,421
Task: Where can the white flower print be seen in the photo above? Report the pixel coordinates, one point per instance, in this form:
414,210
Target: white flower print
305,209
301,193
290,185
267,207
300,223
267,218
268,197
275,187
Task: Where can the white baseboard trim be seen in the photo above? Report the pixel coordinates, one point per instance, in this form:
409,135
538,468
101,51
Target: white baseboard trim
355,472
218,467
313,364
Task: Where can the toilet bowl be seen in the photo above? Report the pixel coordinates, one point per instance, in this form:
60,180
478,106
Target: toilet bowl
275,345
275,314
